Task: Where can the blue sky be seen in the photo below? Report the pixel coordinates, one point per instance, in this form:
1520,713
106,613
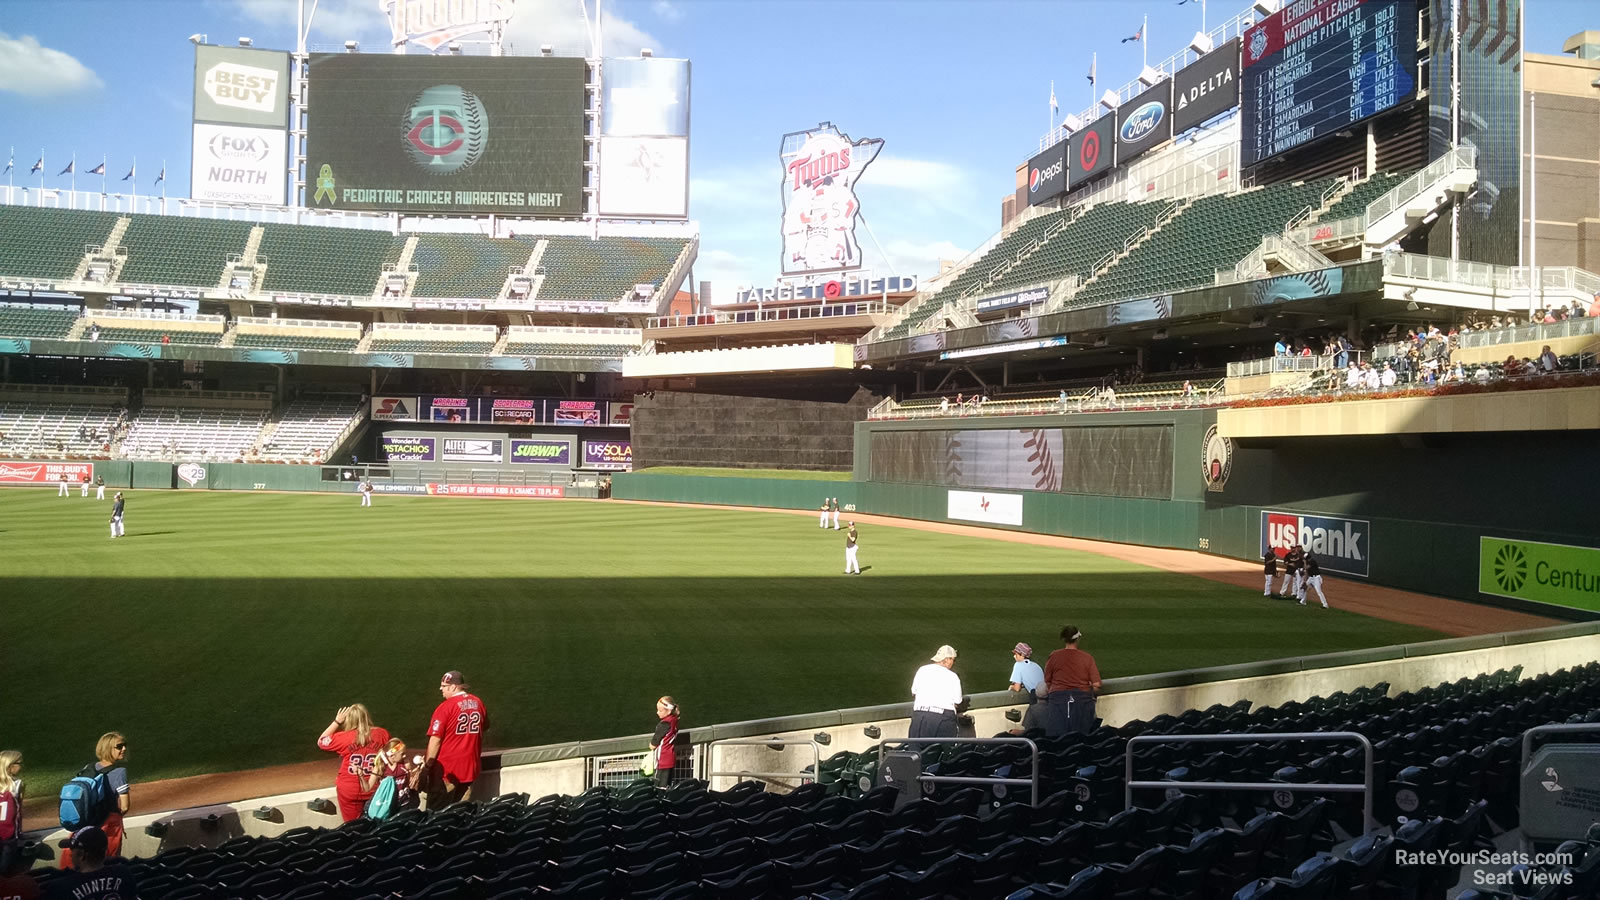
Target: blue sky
958,89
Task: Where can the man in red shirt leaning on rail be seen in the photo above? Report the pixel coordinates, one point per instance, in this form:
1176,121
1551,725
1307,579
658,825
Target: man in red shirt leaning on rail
455,741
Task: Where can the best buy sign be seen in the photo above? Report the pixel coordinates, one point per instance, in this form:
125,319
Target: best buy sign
1545,573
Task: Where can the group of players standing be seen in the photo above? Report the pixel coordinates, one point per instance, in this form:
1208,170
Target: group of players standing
117,503
1300,571
852,540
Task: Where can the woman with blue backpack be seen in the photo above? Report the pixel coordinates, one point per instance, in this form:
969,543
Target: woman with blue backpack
99,795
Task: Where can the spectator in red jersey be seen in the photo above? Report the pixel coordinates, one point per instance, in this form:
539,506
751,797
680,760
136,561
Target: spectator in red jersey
455,741
662,743
352,735
1073,680
15,882
10,797
111,755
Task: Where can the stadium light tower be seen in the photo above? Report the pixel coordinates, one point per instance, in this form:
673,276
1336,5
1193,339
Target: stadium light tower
1266,8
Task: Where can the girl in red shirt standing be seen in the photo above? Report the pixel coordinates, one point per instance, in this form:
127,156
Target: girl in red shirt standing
352,735
662,742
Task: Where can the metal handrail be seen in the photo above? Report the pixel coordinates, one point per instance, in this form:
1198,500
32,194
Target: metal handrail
816,757
1527,736
1366,787
1033,749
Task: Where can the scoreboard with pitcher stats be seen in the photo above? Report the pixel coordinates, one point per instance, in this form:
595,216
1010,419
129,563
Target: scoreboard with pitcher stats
1316,67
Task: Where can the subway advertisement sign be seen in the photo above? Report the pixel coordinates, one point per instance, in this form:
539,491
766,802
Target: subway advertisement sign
1559,574
1341,545
446,134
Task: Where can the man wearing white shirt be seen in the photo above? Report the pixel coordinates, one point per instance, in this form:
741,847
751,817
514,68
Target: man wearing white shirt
1352,378
1387,378
935,693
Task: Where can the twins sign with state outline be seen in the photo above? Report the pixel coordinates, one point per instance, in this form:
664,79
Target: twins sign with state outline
820,207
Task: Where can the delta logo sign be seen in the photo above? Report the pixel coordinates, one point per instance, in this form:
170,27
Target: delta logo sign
1341,545
1142,122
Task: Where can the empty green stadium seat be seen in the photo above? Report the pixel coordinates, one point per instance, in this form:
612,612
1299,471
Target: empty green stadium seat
1361,196
315,260
577,268
411,345
49,243
20,320
179,251
466,265
154,335
297,342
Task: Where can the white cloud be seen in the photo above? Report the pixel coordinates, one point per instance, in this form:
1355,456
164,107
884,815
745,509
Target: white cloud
920,175
340,20
666,10
32,70
560,23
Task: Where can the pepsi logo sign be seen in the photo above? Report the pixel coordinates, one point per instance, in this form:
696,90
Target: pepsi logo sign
1142,122
1039,176
1033,181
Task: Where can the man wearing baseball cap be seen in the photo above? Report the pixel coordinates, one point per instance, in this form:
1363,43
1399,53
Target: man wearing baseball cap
936,692
455,741
90,877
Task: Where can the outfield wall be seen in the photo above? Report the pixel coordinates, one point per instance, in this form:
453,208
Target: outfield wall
1426,513
569,768
402,478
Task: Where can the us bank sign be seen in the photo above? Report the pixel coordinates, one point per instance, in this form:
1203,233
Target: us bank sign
433,23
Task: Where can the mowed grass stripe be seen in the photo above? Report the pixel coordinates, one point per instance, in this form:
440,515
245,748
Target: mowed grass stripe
223,631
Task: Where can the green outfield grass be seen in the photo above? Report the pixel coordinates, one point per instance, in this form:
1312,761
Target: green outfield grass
226,628
783,474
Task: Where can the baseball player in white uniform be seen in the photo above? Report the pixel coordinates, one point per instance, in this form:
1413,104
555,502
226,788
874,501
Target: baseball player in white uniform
835,513
366,492
83,486
99,487
823,521
851,565
65,491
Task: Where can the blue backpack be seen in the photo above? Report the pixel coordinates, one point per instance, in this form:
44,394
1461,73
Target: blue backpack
382,804
87,799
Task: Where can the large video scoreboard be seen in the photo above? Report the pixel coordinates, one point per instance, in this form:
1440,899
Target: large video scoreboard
1316,67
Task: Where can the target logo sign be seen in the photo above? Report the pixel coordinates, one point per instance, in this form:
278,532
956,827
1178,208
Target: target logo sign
1089,153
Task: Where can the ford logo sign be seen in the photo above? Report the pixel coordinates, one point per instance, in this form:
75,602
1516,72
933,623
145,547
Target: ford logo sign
1143,121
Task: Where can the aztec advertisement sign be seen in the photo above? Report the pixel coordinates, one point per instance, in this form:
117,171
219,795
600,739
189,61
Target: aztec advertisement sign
1047,174
1144,122
542,451
992,509
608,454
644,143
1341,545
1206,88
446,134
1559,574
1092,150
1316,67
241,86
235,164
523,491
43,472
407,448
820,171
478,450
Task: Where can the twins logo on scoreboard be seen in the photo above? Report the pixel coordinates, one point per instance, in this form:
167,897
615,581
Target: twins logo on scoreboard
446,129
1341,545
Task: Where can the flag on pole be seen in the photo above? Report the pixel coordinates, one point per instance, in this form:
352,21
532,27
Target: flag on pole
37,167
68,169
1137,36
1183,2
129,176
1055,107
163,176
1092,62
11,162
97,170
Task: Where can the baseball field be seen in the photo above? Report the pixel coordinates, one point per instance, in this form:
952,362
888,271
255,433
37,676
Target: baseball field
224,630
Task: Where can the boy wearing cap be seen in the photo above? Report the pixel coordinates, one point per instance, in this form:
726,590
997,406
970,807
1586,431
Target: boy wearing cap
455,741
1026,676
935,693
90,878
